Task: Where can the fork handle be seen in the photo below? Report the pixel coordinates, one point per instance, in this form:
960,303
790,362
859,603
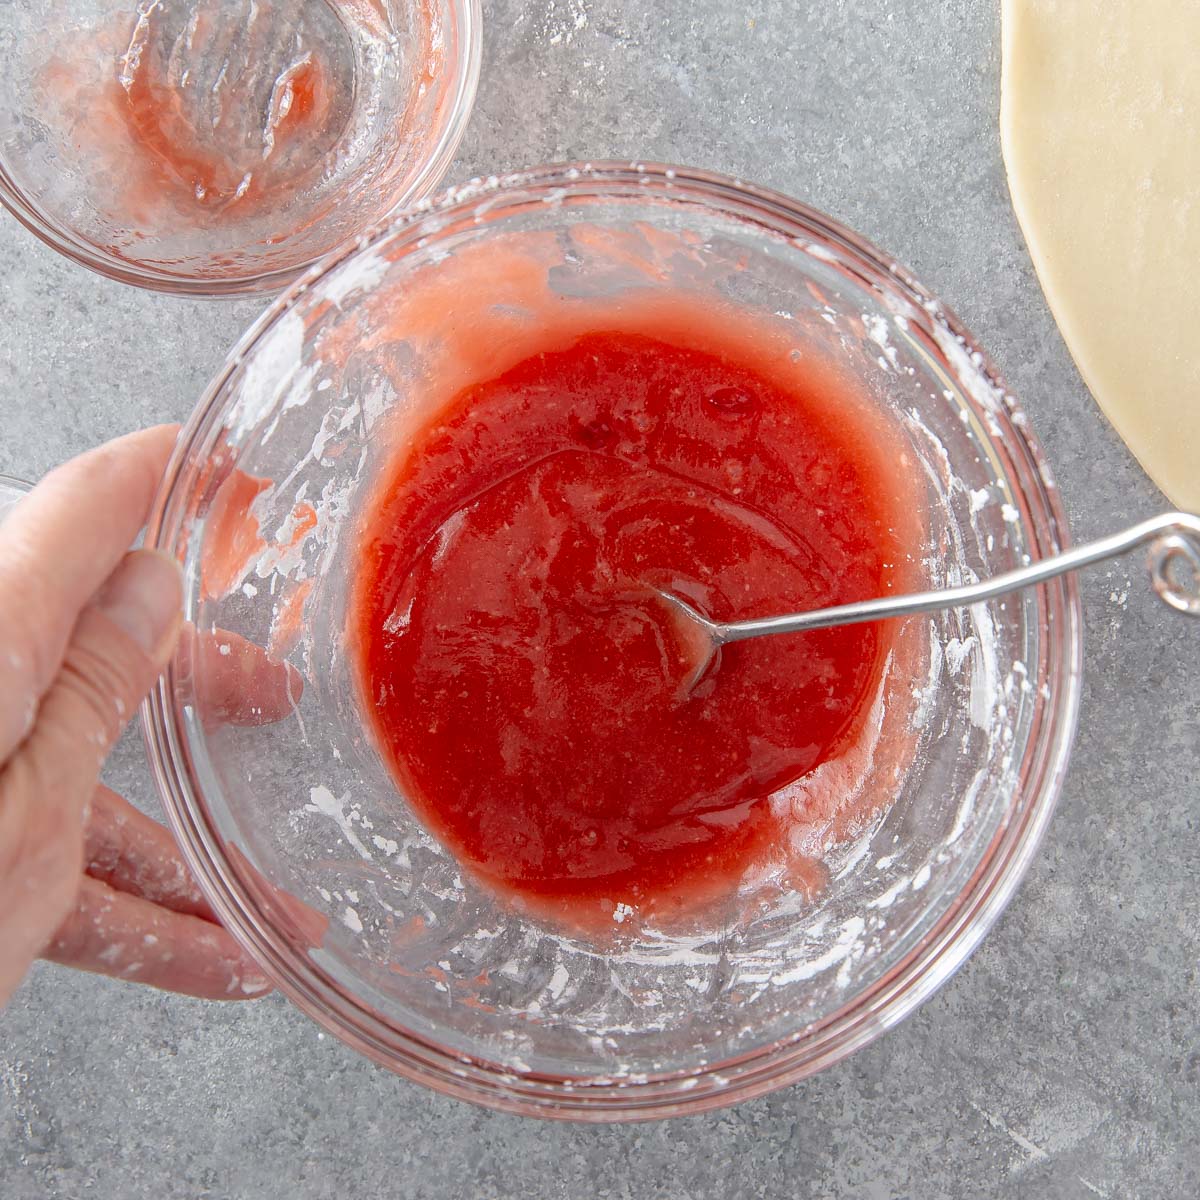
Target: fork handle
1175,536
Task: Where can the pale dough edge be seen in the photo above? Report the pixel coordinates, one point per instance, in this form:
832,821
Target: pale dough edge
1165,457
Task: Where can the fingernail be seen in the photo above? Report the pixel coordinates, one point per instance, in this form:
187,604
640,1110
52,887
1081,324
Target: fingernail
295,683
144,598
251,981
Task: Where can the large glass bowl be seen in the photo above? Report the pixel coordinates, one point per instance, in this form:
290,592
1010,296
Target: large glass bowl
294,827
217,147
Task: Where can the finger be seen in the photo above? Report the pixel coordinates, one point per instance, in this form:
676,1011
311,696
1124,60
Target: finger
56,548
40,864
302,922
121,642
133,854
237,682
126,937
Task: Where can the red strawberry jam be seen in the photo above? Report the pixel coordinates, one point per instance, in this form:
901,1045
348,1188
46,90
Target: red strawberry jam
525,682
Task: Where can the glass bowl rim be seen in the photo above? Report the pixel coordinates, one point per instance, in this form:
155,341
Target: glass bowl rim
78,250
871,1011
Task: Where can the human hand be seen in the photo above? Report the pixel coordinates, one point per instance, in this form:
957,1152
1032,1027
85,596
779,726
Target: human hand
85,629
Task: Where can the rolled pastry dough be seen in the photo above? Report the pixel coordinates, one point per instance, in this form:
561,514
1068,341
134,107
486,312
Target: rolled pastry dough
1100,123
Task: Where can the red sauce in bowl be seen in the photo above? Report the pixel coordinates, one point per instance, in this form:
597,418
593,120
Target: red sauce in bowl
521,675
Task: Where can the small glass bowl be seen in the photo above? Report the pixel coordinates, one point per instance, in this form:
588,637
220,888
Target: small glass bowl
220,147
12,492
294,827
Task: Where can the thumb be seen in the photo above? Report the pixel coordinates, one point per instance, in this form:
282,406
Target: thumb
121,641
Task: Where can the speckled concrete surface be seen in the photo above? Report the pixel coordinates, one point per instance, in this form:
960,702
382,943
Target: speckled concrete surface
1063,1061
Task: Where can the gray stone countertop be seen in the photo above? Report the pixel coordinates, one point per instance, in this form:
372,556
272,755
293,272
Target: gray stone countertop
1062,1061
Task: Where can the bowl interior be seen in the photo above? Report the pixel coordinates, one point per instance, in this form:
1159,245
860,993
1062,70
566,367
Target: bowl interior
224,145
297,828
